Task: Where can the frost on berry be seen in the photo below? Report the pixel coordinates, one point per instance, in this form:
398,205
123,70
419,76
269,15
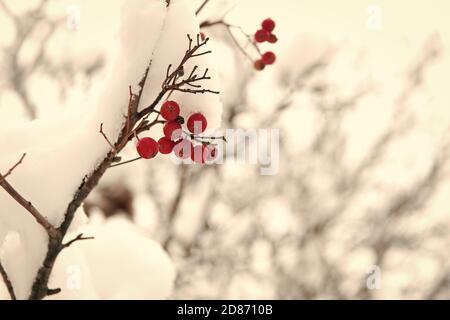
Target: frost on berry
197,123
147,148
262,35
268,25
165,145
198,154
172,130
170,110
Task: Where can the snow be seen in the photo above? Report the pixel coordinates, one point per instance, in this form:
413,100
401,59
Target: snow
62,150
120,263
168,53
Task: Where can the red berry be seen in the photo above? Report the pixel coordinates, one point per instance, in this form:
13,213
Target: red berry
259,65
183,148
172,130
268,25
273,38
170,110
262,35
202,36
198,154
197,123
268,57
165,145
147,148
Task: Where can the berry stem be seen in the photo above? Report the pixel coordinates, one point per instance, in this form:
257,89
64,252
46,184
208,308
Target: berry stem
125,162
228,27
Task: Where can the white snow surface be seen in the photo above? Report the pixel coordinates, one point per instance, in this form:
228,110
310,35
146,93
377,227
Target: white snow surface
60,152
120,263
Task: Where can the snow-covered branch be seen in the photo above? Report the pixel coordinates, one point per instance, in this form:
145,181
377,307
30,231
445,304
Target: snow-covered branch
141,77
136,122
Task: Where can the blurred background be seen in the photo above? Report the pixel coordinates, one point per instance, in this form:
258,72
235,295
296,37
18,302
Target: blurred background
359,207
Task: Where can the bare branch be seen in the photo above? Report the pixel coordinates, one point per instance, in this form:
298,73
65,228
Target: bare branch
7,282
80,237
229,27
113,148
202,6
13,168
171,84
27,205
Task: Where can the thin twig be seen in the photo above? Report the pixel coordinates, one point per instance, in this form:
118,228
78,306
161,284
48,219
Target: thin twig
7,282
125,162
228,27
113,148
27,205
80,237
170,84
194,91
7,174
202,6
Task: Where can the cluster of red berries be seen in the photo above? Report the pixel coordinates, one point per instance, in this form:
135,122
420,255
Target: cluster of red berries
265,34
173,140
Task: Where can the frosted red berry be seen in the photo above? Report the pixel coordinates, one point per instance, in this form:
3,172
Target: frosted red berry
272,38
170,110
268,25
183,148
197,123
165,145
172,130
210,153
268,58
202,36
203,153
259,65
147,148
262,35
199,154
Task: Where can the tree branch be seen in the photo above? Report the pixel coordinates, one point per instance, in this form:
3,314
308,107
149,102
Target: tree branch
27,205
80,237
135,122
170,84
7,282
202,6
7,174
